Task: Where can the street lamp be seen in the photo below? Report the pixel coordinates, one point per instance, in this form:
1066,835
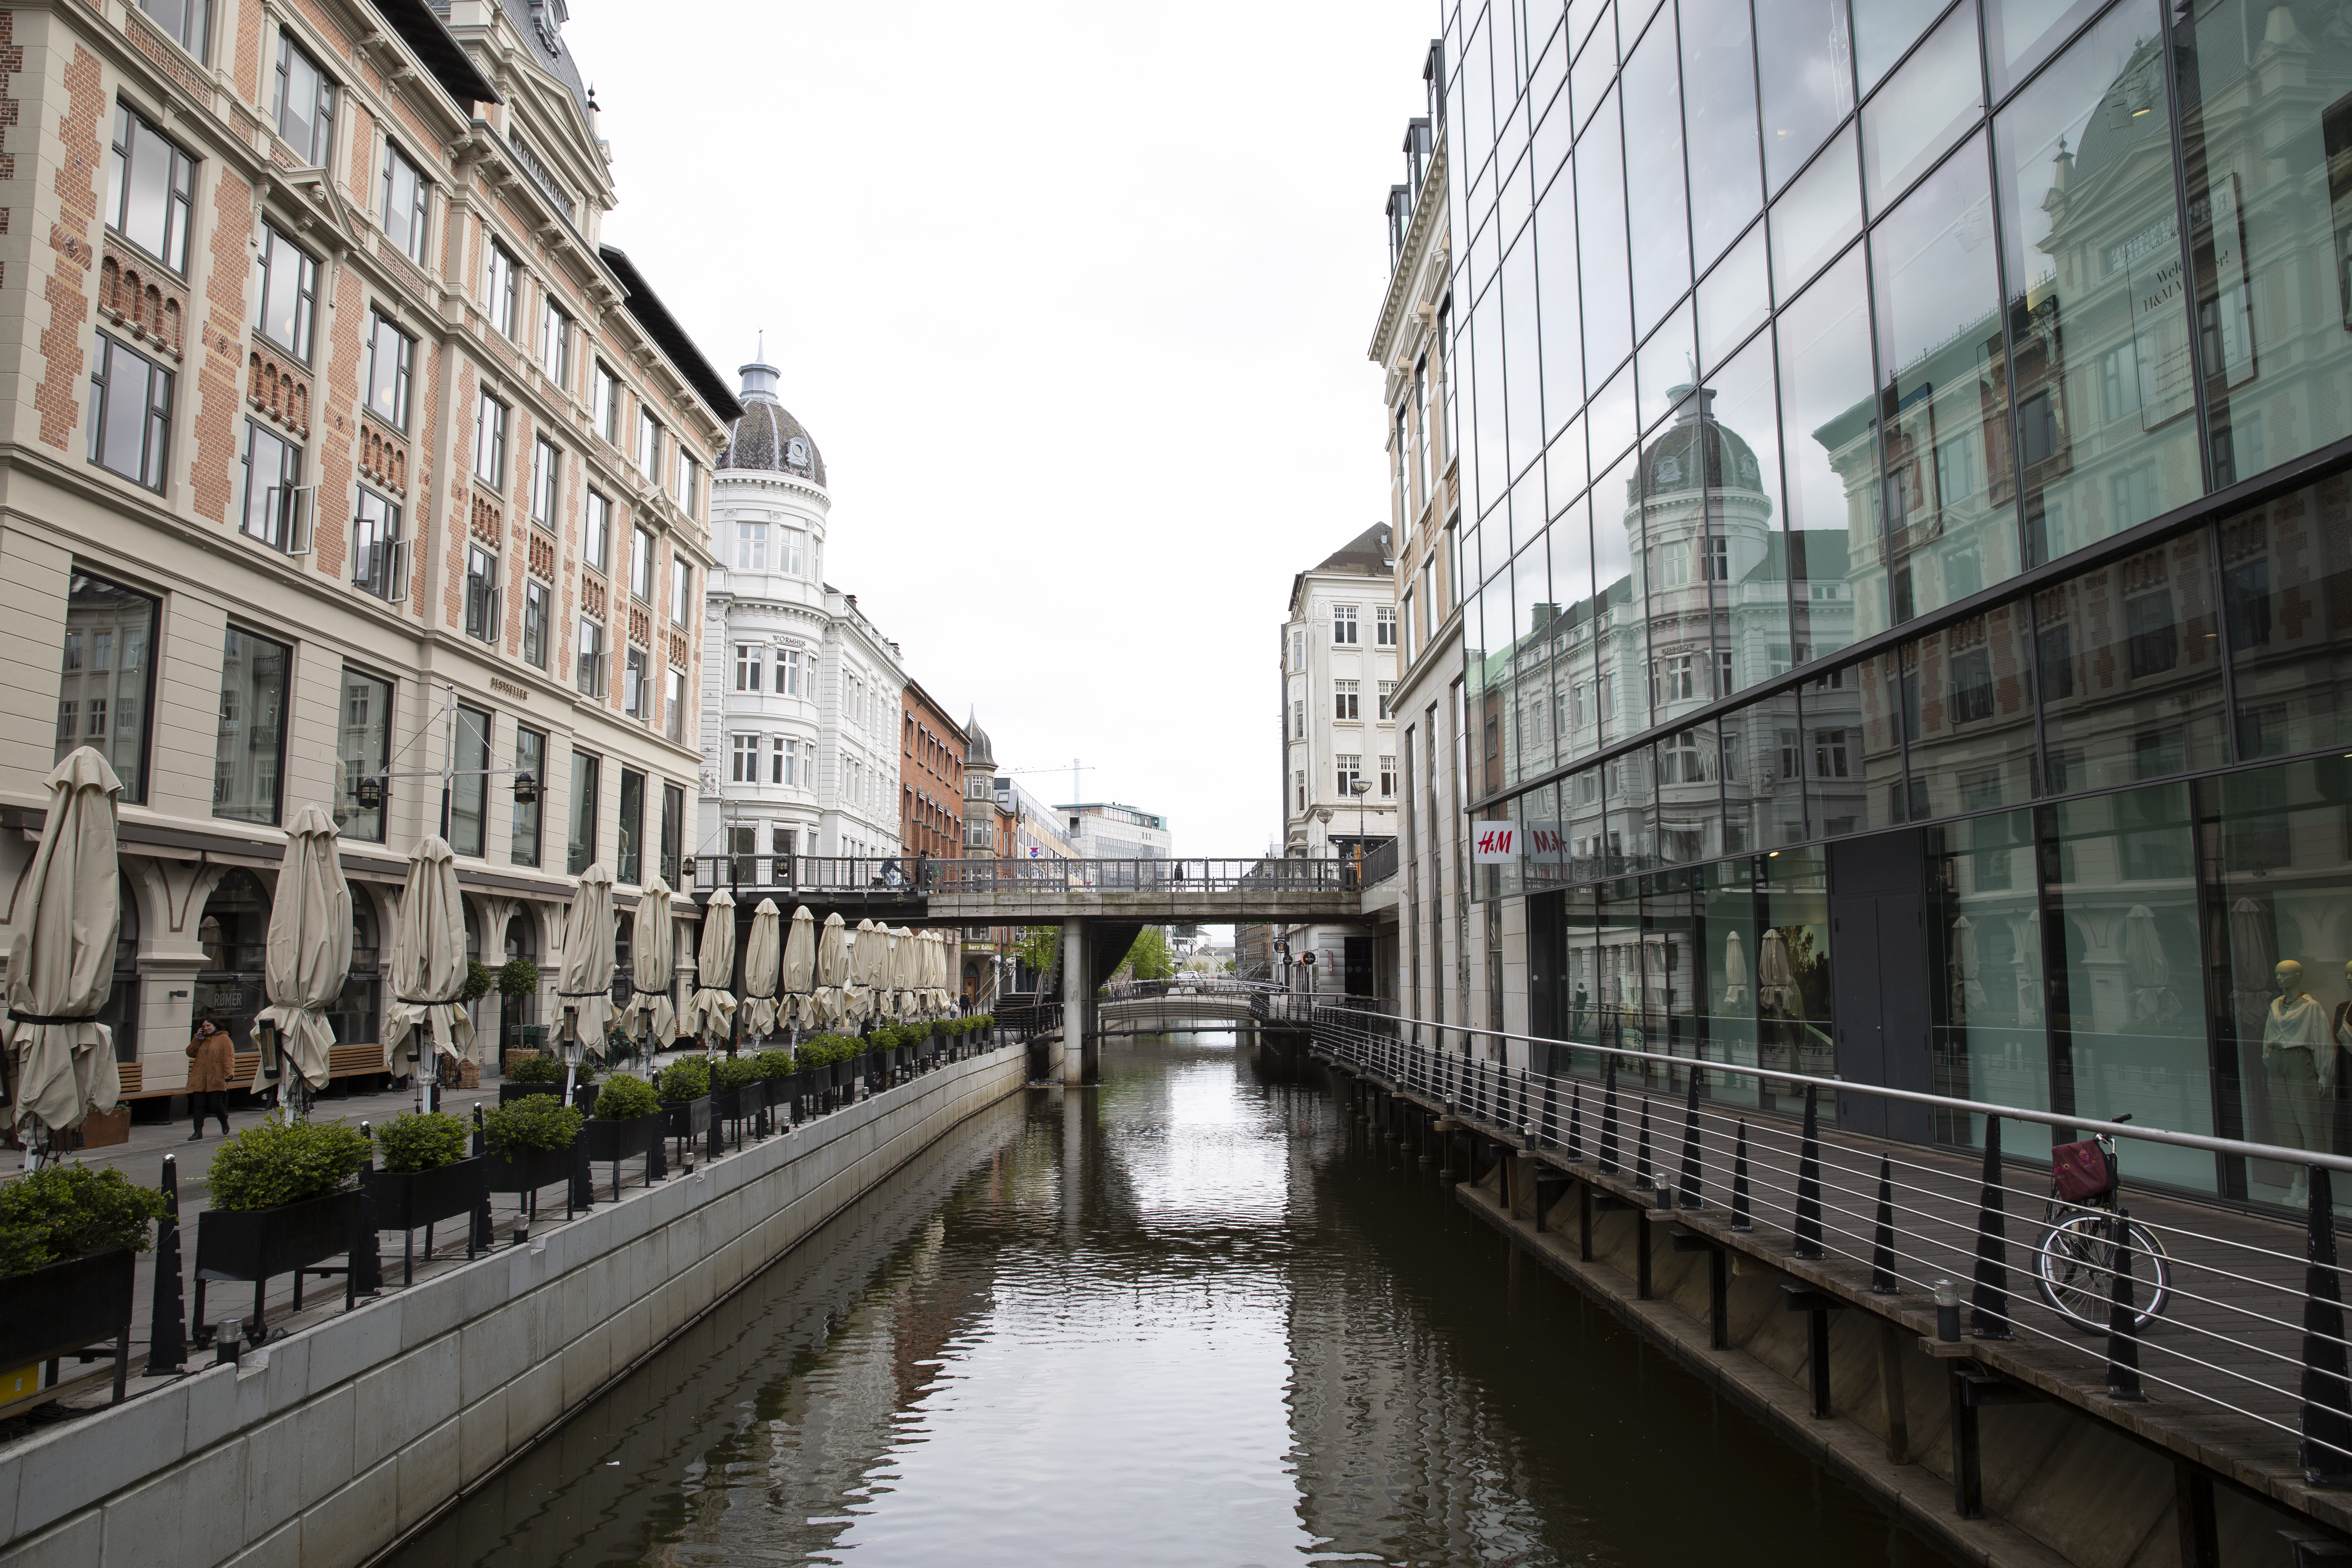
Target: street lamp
1360,789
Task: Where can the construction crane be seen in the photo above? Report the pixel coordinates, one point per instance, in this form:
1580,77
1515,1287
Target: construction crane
1075,770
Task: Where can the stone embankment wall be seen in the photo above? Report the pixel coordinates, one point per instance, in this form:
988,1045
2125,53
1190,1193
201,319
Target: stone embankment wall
323,1448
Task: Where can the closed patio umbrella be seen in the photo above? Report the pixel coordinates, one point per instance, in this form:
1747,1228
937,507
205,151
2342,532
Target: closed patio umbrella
585,990
62,958
1735,972
710,1010
831,995
869,962
428,959
2027,932
2145,963
1772,976
309,951
2253,958
799,971
651,939
761,953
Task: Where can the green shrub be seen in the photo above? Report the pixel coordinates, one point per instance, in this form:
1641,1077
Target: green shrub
518,978
411,1142
533,1123
71,1211
915,1033
889,1037
773,1064
734,1072
479,977
275,1162
541,1069
689,1077
625,1097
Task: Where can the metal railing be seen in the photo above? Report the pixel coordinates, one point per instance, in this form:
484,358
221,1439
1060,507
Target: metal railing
907,876
2237,1318
1219,985
1380,864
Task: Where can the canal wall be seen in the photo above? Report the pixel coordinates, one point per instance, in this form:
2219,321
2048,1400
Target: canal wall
327,1447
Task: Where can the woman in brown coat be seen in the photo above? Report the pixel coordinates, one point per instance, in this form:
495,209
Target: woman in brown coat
212,1057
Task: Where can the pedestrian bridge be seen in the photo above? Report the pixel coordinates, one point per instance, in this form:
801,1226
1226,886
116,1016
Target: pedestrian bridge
1177,890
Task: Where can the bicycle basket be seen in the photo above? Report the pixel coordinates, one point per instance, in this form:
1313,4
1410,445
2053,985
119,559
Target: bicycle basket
2082,1171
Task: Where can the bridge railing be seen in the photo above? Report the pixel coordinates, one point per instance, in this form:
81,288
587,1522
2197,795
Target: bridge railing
2235,1318
1189,985
871,875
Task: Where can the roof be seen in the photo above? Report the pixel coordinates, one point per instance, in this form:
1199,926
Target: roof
978,751
1696,440
420,27
767,438
1367,552
655,317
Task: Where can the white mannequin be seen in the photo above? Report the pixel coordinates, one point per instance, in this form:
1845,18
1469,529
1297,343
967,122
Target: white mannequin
2302,1062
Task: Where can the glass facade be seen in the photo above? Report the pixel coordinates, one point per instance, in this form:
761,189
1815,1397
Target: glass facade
1840,388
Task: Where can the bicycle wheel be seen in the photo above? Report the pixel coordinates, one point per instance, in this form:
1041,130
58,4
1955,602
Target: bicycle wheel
2074,1269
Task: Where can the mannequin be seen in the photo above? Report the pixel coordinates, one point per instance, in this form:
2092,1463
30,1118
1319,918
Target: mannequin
2302,1062
2341,1030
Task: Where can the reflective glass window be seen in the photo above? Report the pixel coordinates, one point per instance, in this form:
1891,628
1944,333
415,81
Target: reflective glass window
586,801
1837,582
1933,100
469,791
2020,34
1490,452
1719,107
1984,975
2130,661
1745,555
1883,29
2286,580
1853,746
1523,378
1662,367
1600,169
1733,301
107,676
1563,342
1764,775
1595,67
1575,705
1612,418
249,751
1815,217
1805,64
1654,177
1969,695
1621,676
364,746
1792,977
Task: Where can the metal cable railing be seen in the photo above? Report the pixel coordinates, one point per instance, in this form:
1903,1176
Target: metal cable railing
2236,1326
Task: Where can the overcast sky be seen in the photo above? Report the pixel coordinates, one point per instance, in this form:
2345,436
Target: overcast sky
1074,300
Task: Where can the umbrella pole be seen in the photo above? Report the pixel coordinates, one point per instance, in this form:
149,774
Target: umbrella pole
567,1040
428,1067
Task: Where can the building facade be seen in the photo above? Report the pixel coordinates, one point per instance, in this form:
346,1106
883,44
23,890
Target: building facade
1339,686
801,694
422,485
930,778
1106,830
1905,479
1039,832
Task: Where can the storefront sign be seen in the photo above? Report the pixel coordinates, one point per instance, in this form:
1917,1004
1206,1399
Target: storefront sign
1495,843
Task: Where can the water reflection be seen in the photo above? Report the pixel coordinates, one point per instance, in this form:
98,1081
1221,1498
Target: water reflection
1189,1318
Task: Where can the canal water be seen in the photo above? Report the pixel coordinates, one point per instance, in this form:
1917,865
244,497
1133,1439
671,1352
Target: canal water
1189,1318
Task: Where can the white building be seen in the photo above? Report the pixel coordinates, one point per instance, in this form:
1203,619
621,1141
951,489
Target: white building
801,694
1339,684
1104,830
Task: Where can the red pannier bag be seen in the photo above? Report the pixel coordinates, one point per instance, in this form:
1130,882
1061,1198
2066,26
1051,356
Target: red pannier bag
2081,1169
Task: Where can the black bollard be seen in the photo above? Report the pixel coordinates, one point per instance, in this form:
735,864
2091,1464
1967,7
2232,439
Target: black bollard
1608,1117
2326,1451
2122,1316
367,1259
716,1144
1809,1179
1989,1304
1642,1173
167,1335
1743,1212
1883,1281
1690,1187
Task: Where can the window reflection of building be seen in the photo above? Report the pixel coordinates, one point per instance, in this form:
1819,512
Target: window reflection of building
234,932
105,681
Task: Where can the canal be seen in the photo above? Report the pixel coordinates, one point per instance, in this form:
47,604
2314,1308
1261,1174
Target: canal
1189,1318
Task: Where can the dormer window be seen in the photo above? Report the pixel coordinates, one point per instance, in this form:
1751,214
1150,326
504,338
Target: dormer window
796,453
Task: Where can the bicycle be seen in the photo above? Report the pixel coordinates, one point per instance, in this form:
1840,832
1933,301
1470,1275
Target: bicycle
2073,1266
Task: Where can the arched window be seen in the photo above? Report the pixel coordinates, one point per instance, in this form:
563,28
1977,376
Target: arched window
121,1010
357,1016
520,1012
234,931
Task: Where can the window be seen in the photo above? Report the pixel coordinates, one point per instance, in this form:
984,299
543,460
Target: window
2155,638
586,800
536,607
469,789
106,675
790,553
1789,740
1298,650
1299,779
546,468
1343,625
688,476
596,540
529,757
306,103
499,290
285,290
1350,769
389,353
1388,690
673,831
744,751
681,592
752,546
673,715
151,187
641,564
250,746
649,443
784,760
554,343
273,471
1830,759
1414,639
129,413
491,443
1972,686
407,197
1298,719
590,678
481,594
631,866
788,672
1384,625
605,404
1344,701
1388,778
186,21
636,688
748,665
379,556
1714,560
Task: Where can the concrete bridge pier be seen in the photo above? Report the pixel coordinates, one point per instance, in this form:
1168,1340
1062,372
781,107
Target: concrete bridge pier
1081,1043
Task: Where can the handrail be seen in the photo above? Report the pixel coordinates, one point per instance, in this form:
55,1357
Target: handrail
2080,1124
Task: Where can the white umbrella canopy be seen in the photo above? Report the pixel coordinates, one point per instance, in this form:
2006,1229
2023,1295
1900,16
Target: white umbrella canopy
1735,972
309,952
428,956
761,953
797,973
1772,975
711,1009
62,958
651,938
829,1002
586,986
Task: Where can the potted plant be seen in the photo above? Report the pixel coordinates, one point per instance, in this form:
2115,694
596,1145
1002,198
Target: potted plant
285,1198
427,1174
67,1237
628,1120
778,1082
530,1143
731,1078
685,1090
543,1074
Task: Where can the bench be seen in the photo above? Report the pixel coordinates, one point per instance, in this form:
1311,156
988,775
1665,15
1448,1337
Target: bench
343,1061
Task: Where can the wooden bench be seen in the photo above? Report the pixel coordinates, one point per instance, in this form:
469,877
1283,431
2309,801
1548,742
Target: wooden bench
343,1061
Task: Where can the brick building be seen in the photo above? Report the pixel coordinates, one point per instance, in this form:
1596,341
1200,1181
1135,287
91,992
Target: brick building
930,778
336,444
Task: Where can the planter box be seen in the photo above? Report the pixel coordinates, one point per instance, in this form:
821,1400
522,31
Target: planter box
584,1096
405,1200
256,1244
65,1306
687,1118
734,1104
610,1142
527,1170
